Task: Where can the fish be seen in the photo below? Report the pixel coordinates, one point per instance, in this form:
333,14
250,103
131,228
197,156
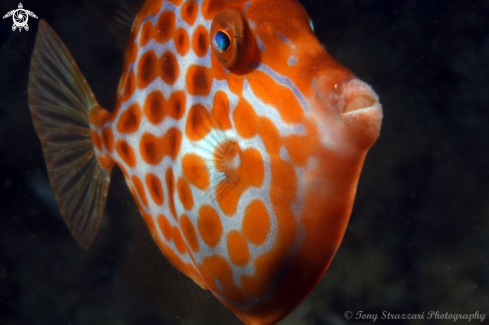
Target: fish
240,138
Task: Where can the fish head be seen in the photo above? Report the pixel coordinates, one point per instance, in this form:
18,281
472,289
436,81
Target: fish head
313,121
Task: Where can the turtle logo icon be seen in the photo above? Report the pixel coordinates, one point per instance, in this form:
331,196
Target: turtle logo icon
20,17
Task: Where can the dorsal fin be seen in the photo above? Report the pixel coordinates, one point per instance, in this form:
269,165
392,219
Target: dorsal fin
119,21
150,274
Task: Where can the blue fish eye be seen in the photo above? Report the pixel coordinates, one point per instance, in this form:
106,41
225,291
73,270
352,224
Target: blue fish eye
222,41
311,24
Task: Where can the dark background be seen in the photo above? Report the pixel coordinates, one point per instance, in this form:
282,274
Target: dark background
417,239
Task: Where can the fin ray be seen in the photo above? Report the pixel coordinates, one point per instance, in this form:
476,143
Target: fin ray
152,276
118,21
60,100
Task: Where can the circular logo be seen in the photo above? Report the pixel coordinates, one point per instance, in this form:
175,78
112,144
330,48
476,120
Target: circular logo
20,18
348,314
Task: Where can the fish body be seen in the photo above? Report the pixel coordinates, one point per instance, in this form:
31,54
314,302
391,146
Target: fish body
239,136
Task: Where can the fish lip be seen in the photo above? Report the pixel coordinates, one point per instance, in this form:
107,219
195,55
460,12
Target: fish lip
356,96
365,110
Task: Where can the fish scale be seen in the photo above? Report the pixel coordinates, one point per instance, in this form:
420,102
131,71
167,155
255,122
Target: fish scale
243,160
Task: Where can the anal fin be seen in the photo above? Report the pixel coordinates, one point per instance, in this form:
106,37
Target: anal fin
150,274
60,100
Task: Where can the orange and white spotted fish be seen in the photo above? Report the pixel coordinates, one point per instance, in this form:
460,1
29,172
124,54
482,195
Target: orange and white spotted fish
240,137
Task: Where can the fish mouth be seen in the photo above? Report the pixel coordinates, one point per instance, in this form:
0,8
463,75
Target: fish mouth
359,98
361,113
362,102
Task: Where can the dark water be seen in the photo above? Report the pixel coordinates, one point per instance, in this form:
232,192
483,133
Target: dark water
417,240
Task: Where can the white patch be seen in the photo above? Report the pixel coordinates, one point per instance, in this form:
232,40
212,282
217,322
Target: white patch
284,154
261,45
292,61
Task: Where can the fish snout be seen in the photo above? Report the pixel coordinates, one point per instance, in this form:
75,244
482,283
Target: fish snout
361,113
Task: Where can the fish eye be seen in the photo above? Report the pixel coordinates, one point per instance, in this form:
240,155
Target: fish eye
230,38
311,24
222,40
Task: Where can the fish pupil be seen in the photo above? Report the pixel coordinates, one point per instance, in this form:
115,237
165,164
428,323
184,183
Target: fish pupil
222,41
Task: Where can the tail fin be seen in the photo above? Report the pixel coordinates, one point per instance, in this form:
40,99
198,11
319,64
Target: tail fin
60,100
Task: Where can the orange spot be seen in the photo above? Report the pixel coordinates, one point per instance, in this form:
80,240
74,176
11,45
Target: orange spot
164,225
150,8
189,12
146,33
235,83
188,230
198,123
108,138
96,139
209,225
154,188
237,248
278,96
252,167
178,240
131,56
133,50
125,152
283,184
130,86
211,7
220,110
185,194
256,222
297,149
217,268
99,116
154,107
169,69
106,162
270,135
175,2
154,148
245,119
200,41
199,80
182,41
176,104
147,66
140,189
170,185
195,171
228,197
130,119
165,27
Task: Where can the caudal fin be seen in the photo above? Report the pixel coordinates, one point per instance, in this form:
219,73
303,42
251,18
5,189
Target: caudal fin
60,100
